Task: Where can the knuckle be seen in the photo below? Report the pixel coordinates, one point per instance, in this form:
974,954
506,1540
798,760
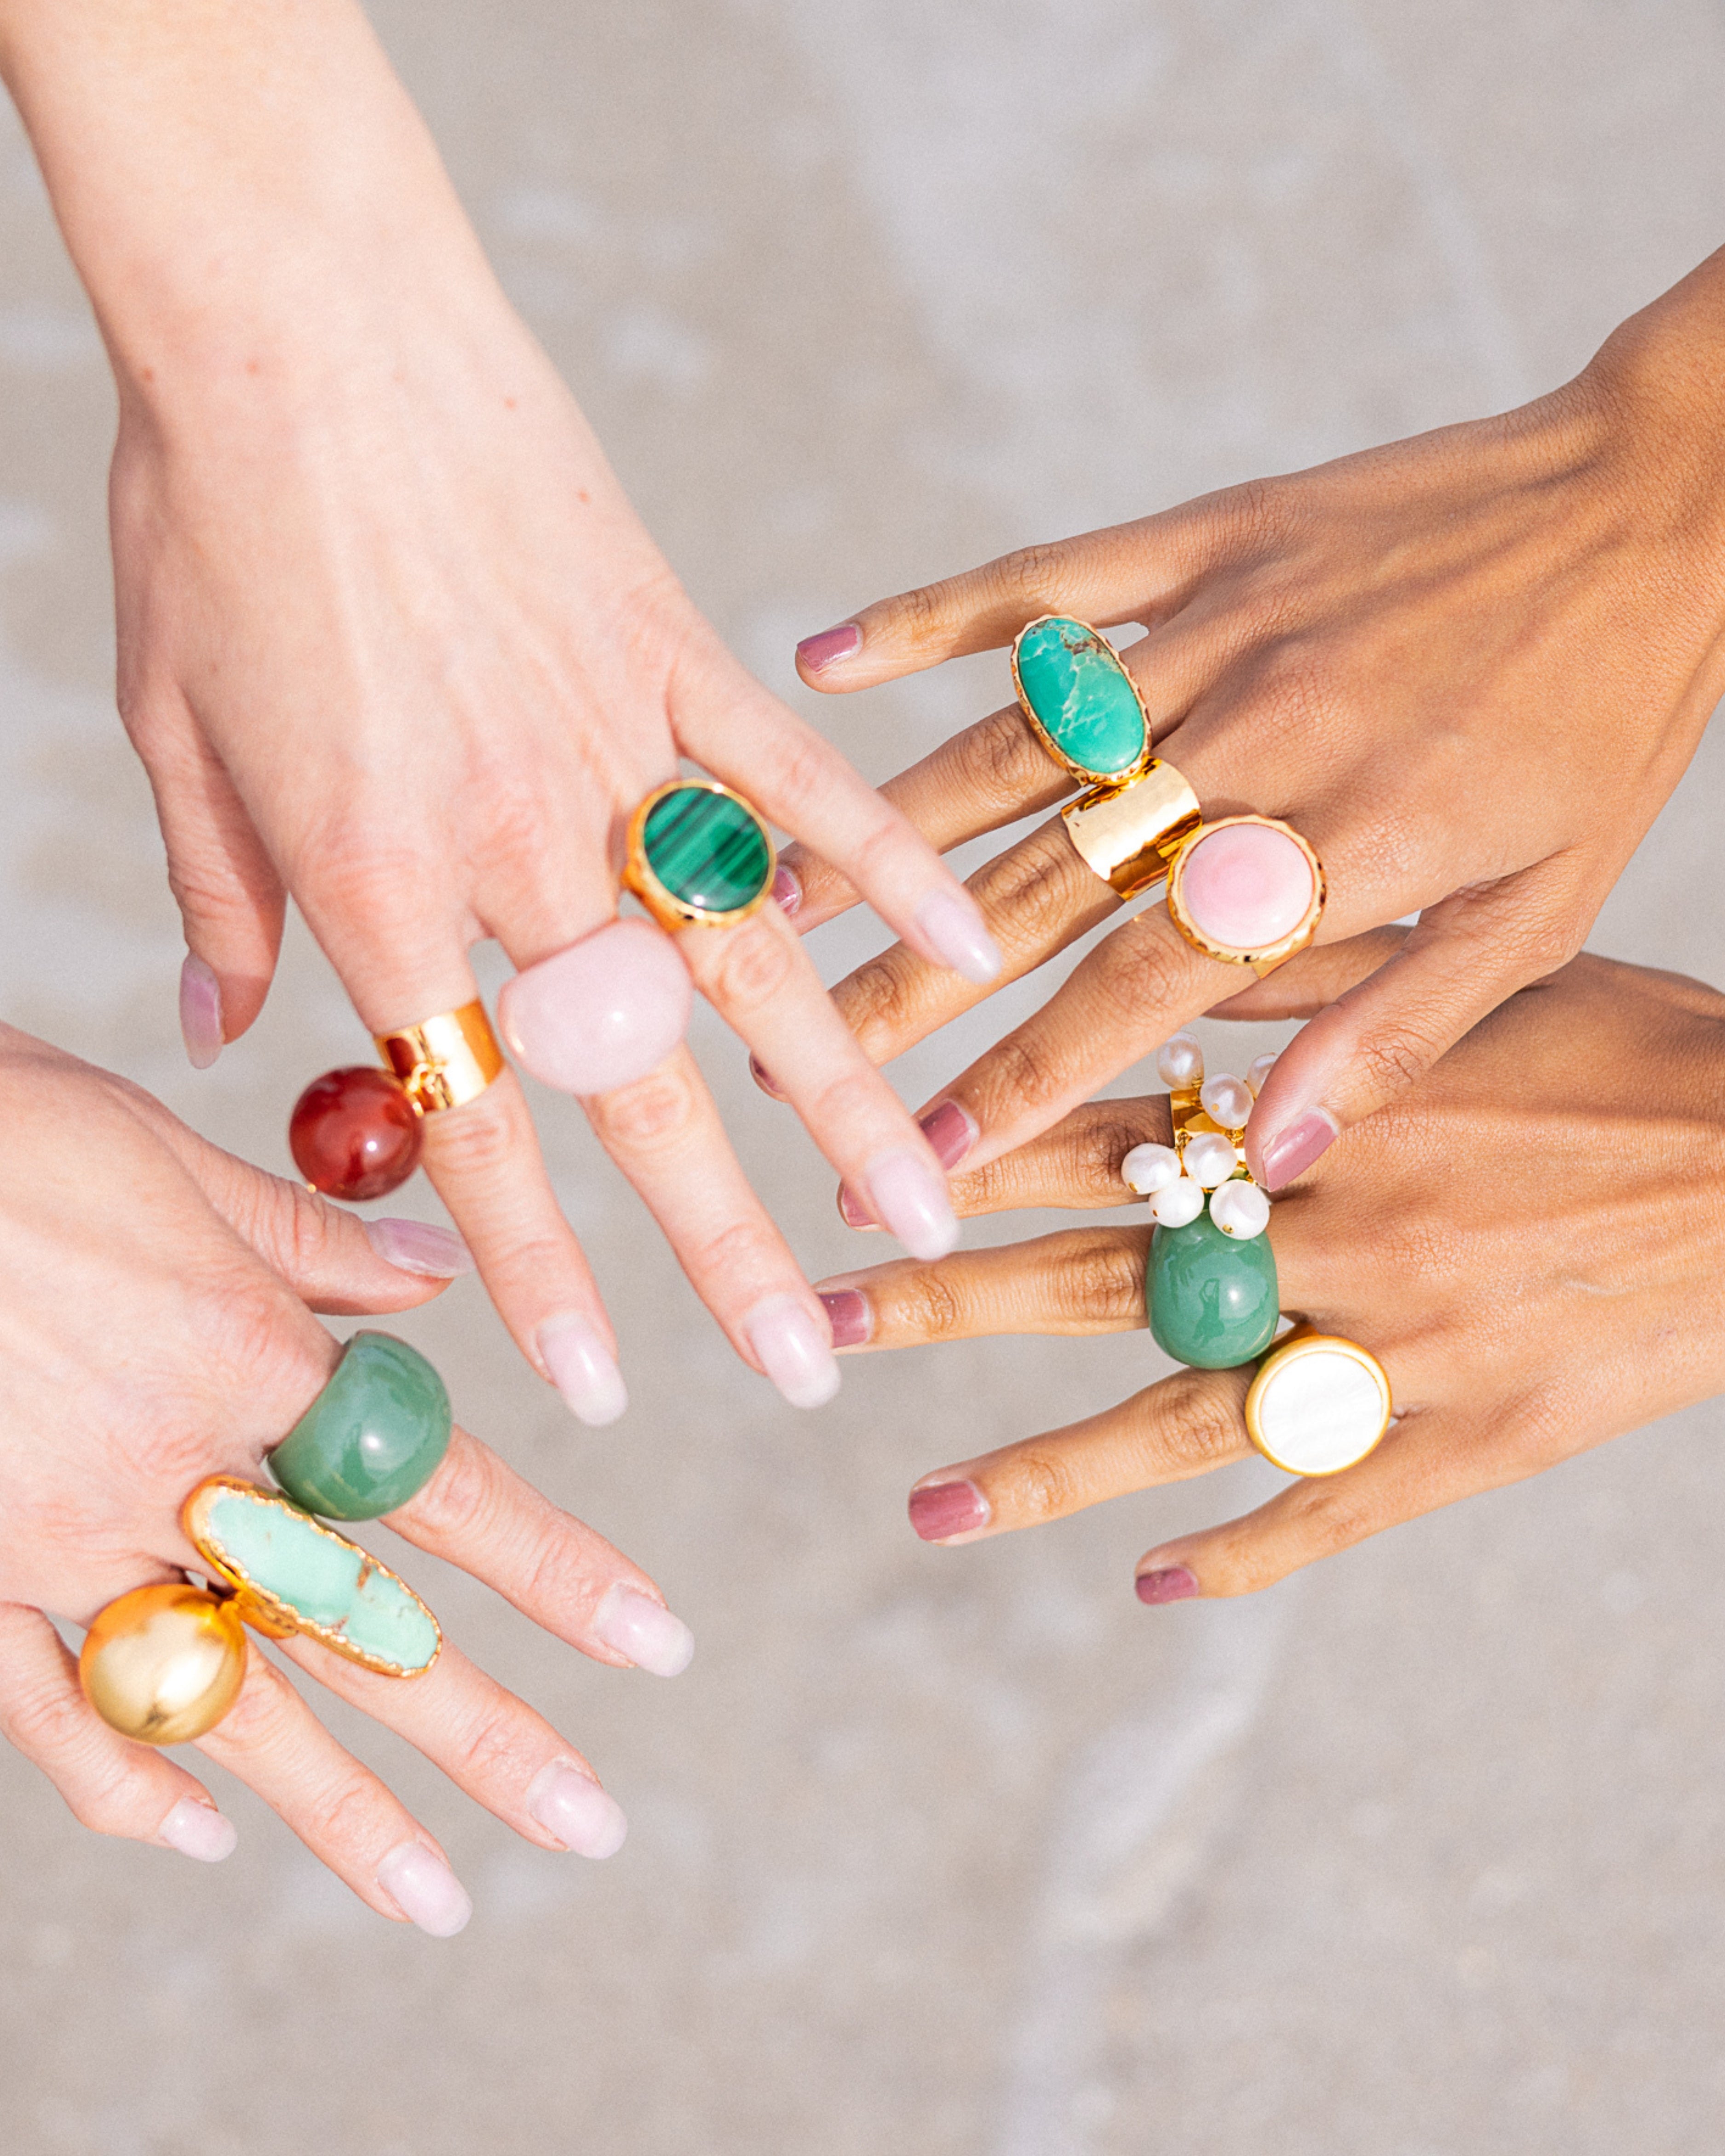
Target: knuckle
1393,1060
1140,976
342,1814
928,1307
473,1143
259,1716
1022,1070
460,1497
1004,757
1096,1146
877,1001
802,772
491,1745
1103,1281
1043,1487
1030,891
754,965
1032,574
46,1720
1201,1423
654,1113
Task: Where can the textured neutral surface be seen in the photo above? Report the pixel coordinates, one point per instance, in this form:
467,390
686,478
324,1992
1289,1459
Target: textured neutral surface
949,1854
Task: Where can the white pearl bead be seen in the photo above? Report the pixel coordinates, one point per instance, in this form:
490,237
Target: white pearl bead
1149,1168
1179,1061
1259,1072
1226,1101
1241,1209
1210,1159
1180,1202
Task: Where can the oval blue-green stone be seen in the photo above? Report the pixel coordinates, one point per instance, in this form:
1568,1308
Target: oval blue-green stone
1080,697
707,850
373,1438
1213,1299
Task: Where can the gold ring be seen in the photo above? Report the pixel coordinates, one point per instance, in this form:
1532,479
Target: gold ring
698,855
444,1061
1263,958
1128,834
1318,1404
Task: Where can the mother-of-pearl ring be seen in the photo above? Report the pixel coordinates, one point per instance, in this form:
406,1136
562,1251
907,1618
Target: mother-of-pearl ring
1318,1403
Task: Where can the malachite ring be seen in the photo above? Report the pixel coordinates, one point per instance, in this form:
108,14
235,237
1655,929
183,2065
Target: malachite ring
698,856
373,1437
1318,1404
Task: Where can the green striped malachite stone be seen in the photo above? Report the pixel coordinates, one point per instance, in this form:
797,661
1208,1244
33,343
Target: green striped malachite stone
1076,688
707,850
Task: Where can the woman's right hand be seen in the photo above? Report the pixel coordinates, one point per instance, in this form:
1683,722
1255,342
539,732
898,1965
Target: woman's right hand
156,1327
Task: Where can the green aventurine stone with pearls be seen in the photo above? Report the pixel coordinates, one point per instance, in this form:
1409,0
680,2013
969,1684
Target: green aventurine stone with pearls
334,1590
373,1438
708,849
1079,693
1213,1299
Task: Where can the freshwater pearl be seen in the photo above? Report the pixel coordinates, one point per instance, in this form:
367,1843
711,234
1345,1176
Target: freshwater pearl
1179,1061
1179,1204
1259,1071
1210,1159
1149,1168
1227,1101
1241,1209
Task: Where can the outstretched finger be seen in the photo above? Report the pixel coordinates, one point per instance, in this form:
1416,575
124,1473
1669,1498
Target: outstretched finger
1077,1164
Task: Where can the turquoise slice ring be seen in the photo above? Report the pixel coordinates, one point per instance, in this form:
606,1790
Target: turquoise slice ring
1082,704
698,856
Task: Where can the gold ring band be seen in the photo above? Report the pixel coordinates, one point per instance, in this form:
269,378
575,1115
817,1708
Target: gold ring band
444,1061
1319,1404
1129,833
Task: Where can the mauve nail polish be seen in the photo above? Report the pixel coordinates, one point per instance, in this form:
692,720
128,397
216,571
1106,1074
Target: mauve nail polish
816,653
787,891
1298,1145
948,1509
852,1211
1174,1585
763,1078
848,1315
950,1131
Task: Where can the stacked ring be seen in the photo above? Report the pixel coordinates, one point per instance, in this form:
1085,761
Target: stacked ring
698,856
1239,900
163,1664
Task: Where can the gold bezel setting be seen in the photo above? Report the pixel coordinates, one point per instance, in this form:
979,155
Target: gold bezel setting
1302,1342
670,912
1265,959
1084,774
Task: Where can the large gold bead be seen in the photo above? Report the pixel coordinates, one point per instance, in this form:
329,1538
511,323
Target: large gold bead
163,1664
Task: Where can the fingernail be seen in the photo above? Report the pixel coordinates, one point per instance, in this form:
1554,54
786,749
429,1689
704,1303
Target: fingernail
425,1890
199,1830
953,924
787,891
200,1012
1298,1145
794,1350
815,653
632,1624
852,1211
849,1315
763,1078
583,1369
951,1130
948,1508
416,1246
573,1806
1173,1584
909,1197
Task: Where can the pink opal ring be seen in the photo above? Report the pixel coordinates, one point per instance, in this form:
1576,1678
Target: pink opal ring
1247,889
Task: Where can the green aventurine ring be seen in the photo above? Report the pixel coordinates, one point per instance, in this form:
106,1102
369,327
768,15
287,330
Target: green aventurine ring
373,1437
698,855
1084,705
1212,1298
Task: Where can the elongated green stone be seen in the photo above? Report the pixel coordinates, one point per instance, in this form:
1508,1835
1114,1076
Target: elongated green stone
708,849
1079,693
373,1436
1212,1298
335,1589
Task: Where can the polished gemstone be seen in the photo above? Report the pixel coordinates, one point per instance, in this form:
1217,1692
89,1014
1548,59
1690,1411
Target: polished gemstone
373,1438
1212,1298
1079,694
319,1583
708,849
354,1133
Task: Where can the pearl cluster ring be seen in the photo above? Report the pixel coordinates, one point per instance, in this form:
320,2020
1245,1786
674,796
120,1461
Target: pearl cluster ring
1206,1163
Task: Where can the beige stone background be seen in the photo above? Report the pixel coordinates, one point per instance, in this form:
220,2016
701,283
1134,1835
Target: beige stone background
964,1853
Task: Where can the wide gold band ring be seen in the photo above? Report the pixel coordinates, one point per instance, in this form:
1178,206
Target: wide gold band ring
1318,1404
444,1061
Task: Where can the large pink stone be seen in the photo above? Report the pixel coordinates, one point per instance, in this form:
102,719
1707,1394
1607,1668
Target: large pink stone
1246,886
601,1013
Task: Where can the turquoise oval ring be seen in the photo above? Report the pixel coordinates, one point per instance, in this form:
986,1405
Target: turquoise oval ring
1213,1299
373,1437
1084,705
698,856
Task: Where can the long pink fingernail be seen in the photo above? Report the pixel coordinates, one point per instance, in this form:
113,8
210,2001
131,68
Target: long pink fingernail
587,1820
200,1012
952,922
632,1624
909,1197
425,1890
1298,1145
419,1246
849,1315
815,653
945,1509
951,1130
1173,1584
199,1830
787,891
795,1349
583,1369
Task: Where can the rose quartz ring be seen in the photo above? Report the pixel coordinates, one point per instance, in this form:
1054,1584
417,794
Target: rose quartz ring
601,1013
1248,890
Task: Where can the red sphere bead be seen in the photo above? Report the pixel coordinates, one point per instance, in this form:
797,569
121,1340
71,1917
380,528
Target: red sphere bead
354,1133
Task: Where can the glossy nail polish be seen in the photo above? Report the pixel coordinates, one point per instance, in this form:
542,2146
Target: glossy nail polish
794,1348
583,1369
763,1078
198,1830
425,1890
815,653
787,891
200,1012
418,1246
951,1131
852,1211
944,1509
953,923
1297,1146
632,1624
570,1805
909,1198
849,1315
1174,1583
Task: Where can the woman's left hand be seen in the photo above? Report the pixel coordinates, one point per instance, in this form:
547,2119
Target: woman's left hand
1528,1241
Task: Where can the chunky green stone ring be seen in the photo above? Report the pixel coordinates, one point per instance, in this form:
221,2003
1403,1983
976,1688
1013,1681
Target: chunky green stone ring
1084,705
373,1437
698,855
1211,1299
